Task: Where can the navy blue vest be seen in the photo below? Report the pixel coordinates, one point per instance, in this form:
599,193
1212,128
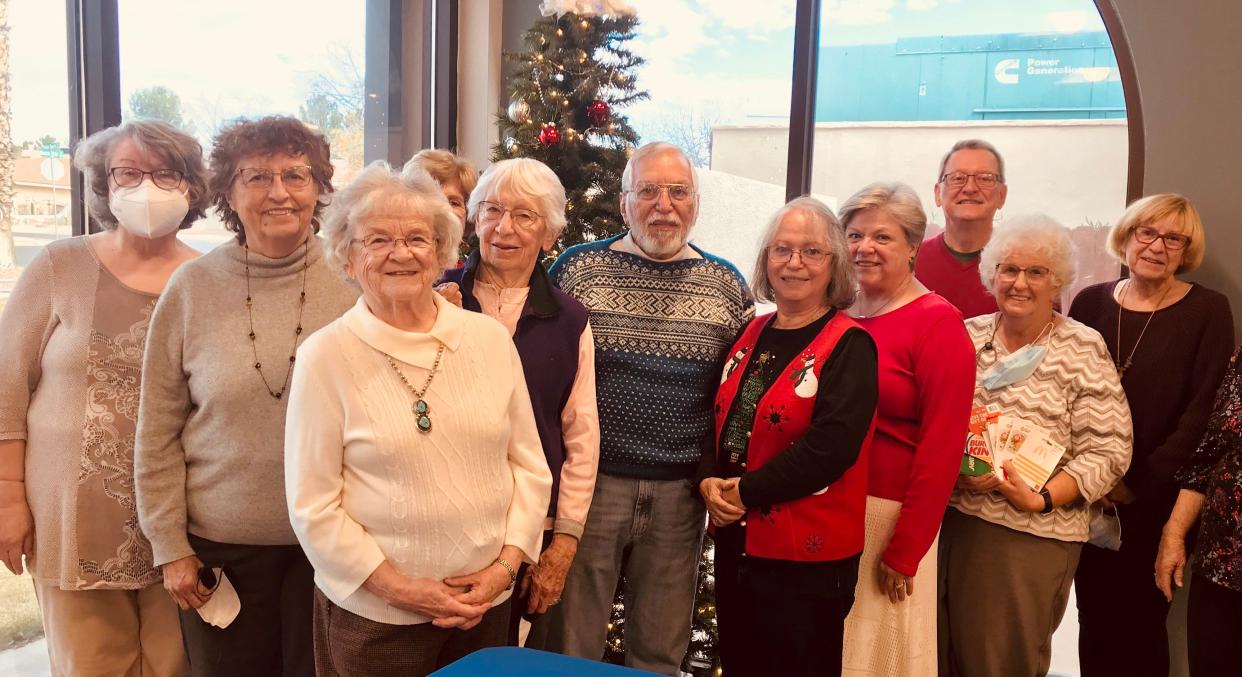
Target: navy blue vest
547,338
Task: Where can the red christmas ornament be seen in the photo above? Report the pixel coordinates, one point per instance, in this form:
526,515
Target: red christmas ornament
598,111
549,135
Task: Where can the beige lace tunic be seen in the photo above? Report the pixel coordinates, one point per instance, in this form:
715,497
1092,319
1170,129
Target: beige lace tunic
72,336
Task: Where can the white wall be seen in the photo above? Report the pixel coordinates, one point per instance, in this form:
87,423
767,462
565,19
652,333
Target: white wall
1073,170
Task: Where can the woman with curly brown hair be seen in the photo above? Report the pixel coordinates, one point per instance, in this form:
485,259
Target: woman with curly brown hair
209,461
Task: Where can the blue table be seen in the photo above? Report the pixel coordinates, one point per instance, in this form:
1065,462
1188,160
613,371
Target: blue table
508,661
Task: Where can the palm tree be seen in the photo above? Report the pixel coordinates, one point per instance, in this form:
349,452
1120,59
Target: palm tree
8,255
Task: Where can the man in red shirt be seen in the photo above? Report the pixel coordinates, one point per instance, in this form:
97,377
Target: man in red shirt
970,188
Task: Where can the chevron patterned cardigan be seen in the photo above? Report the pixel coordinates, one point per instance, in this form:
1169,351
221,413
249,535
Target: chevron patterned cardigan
1074,393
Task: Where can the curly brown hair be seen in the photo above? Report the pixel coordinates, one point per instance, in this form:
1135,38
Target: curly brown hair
265,136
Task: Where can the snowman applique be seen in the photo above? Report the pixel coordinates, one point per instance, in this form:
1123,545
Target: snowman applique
733,364
805,382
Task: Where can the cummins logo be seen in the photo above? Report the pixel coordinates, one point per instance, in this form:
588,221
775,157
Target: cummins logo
1006,71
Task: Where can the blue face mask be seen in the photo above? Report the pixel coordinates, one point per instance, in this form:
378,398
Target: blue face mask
1015,367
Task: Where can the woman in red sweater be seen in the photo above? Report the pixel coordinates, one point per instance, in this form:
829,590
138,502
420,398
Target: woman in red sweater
785,484
926,377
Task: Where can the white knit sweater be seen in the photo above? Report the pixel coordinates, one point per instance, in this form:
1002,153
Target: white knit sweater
364,485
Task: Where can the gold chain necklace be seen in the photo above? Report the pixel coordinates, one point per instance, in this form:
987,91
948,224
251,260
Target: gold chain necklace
1123,365
420,408
297,333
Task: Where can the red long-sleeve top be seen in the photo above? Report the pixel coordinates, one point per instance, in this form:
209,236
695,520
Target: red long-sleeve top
927,381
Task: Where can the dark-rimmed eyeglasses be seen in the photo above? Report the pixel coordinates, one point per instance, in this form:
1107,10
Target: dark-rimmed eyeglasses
293,178
985,180
1172,241
129,177
492,212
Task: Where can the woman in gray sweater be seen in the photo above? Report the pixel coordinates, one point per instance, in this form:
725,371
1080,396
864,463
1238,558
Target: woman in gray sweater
208,464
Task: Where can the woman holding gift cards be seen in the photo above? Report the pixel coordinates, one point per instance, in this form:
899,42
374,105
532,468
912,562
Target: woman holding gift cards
1056,433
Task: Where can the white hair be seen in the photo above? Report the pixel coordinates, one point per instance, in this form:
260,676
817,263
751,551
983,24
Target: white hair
1037,234
526,177
653,148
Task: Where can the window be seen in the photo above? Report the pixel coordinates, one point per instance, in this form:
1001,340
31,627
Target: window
201,65
715,69
38,211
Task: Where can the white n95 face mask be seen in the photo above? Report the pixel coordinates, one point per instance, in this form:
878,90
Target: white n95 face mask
147,210
223,605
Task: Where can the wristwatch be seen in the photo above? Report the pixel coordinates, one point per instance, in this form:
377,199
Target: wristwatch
1047,501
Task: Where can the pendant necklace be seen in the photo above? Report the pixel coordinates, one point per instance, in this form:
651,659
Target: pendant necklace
1123,365
297,333
420,408
887,303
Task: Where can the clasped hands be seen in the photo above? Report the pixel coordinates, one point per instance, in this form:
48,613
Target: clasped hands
724,501
455,602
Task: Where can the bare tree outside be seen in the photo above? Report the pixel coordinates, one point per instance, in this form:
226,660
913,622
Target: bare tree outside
8,251
684,126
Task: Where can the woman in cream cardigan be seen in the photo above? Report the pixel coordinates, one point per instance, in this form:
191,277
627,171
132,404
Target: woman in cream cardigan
416,481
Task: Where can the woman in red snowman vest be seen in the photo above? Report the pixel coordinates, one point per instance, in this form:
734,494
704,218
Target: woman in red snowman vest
785,481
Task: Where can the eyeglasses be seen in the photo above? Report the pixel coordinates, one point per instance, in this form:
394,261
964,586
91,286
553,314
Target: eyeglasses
1007,272
1172,241
650,192
293,178
985,180
129,177
491,212
811,256
384,244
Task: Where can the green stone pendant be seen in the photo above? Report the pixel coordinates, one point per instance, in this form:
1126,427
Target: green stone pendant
421,410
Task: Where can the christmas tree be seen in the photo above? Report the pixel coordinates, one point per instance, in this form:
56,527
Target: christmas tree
566,90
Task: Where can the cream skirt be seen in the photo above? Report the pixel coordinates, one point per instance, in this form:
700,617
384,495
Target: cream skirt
882,638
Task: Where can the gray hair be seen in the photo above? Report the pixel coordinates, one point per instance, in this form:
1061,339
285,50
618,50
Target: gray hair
1039,234
528,178
973,144
654,148
380,190
898,200
841,283
176,149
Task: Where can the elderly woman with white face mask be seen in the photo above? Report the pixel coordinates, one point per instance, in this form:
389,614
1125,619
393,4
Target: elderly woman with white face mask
416,482
1171,342
72,336
519,209
1007,551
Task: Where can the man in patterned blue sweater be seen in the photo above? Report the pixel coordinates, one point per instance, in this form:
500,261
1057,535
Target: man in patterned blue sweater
663,313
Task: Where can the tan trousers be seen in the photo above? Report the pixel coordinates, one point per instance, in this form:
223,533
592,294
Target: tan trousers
112,633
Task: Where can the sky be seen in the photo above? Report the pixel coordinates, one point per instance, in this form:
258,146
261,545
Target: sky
730,59
224,58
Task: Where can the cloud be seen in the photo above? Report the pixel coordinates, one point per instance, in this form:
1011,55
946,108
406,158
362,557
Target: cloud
859,12
1074,21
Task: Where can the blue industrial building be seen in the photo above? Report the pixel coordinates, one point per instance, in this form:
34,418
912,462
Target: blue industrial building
1010,76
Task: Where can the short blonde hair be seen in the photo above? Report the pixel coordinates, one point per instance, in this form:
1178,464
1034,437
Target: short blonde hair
897,200
1038,233
444,166
380,190
1147,211
840,292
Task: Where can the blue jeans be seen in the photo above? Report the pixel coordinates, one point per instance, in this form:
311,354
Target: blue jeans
656,528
